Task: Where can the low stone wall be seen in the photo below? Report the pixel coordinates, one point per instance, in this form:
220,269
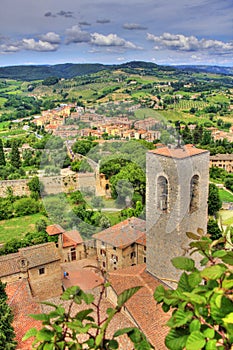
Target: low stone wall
54,184
19,187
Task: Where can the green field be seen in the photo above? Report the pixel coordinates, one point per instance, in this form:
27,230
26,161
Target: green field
225,196
227,217
18,227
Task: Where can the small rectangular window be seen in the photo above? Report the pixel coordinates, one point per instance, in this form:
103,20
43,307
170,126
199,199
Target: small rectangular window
132,255
41,271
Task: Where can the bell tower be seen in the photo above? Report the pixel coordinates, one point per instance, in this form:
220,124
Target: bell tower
176,202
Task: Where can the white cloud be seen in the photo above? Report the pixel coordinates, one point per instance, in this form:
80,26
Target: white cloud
51,37
76,35
11,48
33,45
180,42
111,40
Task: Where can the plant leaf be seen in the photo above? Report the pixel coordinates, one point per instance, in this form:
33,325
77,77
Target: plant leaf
179,318
192,235
228,258
195,341
30,333
176,339
183,263
126,295
213,272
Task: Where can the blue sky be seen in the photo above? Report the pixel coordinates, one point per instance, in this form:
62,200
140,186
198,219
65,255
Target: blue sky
115,31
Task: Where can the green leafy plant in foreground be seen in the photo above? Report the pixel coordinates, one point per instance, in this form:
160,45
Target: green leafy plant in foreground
202,303
64,329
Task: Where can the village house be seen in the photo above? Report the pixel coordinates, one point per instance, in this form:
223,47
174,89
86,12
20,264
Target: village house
70,244
145,124
223,161
121,245
39,265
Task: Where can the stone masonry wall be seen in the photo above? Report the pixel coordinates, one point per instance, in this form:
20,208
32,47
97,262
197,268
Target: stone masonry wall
166,231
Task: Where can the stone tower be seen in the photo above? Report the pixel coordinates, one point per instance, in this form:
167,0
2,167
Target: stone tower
177,193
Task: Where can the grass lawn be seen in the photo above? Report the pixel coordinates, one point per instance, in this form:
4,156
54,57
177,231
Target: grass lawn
227,217
225,196
18,227
113,217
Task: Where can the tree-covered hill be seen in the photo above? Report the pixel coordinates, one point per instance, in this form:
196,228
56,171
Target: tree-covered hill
70,70
38,72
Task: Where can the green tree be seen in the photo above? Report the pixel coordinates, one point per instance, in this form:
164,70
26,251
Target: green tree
26,206
130,178
197,134
186,135
7,334
15,155
2,155
213,229
35,186
97,202
83,146
214,201
229,183
41,225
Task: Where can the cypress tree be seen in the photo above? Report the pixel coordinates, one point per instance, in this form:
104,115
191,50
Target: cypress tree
15,155
7,334
2,156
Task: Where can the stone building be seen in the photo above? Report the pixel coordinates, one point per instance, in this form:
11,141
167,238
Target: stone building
70,244
121,245
177,192
39,265
223,161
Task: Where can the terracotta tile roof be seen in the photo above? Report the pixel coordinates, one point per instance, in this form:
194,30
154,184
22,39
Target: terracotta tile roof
178,153
71,238
148,315
124,233
35,255
40,254
9,264
220,156
142,240
22,304
54,230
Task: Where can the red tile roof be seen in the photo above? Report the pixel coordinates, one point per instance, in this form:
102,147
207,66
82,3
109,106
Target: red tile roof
179,153
22,304
34,255
148,315
141,240
10,264
124,233
71,238
54,230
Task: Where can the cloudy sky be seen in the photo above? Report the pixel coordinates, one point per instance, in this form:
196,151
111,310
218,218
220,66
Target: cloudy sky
115,31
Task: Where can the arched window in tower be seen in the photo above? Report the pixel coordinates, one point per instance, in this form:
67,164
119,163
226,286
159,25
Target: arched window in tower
194,193
162,193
